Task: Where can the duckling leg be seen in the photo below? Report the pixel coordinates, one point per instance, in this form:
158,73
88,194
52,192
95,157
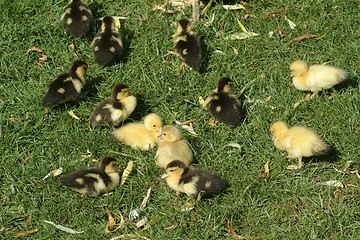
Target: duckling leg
84,195
313,95
294,167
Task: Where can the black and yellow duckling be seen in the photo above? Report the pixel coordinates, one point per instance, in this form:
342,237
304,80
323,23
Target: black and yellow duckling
77,18
140,135
193,180
115,109
94,181
187,44
172,147
107,46
223,105
66,86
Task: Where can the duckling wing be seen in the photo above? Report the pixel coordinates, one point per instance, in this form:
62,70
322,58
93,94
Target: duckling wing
109,110
225,108
107,47
189,49
60,90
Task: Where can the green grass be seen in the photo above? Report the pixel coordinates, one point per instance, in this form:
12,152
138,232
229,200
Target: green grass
289,205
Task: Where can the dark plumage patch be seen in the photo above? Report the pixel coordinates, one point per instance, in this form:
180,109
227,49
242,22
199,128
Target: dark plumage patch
187,45
229,112
107,45
77,18
105,112
62,88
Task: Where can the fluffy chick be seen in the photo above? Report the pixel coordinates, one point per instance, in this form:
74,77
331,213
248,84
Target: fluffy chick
172,147
317,77
67,86
77,18
107,46
193,180
223,105
298,142
95,180
187,44
140,135
115,109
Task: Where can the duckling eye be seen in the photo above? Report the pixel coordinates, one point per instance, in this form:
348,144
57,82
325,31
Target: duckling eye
164,134
154,125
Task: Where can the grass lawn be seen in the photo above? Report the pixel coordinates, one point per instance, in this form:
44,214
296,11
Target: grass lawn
288,205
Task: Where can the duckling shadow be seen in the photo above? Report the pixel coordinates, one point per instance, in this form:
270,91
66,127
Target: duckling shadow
142,108
127,36
204,55
331,156
351,82
90,90
94,7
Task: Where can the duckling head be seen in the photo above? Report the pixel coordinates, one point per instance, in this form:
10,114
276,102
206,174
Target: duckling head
108,164
224,84
298,68
120,91
79,68
110,24
278,128
174,168
184,25
153,122
170,133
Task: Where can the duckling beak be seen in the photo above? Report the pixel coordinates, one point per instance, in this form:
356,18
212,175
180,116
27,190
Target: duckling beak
160,136
165,175
159,130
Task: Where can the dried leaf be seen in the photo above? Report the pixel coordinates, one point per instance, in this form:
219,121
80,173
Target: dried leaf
231,231
242,26
187,128
62,228
235,145
212,122
36,49
303,37
146,198
51,18
201,100
220,52
23,161
111,224
127,172
240,36
71,113
55,172
211,20
187,207
270,34
28,220
189,121
266,170
291,24
206,9
234,7
171,227
152,222
333,183
141,222
26,232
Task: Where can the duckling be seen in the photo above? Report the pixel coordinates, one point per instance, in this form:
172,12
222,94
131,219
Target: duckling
107,46
95,180
77,18
193,180
317,77
223,105
66,86
115,109
298,142
187,44
172,147
140,135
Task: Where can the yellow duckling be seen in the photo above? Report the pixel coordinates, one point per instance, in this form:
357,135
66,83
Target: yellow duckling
140,135
172,147
67,86
193,180
95,180
223,105
107,46
187,44
316,77
77,18
115,109
299,142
